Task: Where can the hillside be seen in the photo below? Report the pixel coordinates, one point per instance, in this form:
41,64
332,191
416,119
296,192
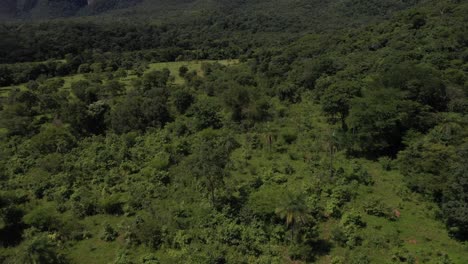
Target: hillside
235,132
43,9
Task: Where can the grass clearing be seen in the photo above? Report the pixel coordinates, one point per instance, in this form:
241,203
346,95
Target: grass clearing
173,67
94,250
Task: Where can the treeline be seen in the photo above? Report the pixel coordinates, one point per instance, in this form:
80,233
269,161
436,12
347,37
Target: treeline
88,62
213,31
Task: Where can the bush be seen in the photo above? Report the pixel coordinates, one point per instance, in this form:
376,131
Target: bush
40,249
360,175
148,232
183,71
386,163
44,218
109,233
347,234
183,99
83,203
379,209
112,205
289,136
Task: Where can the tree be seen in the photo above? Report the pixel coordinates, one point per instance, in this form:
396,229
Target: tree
17,115
85,91
113,88
378,120
455,203
205,112
332,143
53,138
238,99
40,250
209,161
421,83
314,69
336,100
183,71
6,76
183,99
44,218
139,112
75,113
155,79
294,211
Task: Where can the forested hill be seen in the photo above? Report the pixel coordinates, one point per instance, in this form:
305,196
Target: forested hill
222,132
43,9
227,28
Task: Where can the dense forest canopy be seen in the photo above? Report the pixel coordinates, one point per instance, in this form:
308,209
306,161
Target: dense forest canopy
203,131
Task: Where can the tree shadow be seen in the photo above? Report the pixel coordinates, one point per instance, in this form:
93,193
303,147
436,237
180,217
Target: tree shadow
11,236
322,247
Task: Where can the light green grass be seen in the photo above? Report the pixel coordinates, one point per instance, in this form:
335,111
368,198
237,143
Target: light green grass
173,67
94,250
4,91
420,232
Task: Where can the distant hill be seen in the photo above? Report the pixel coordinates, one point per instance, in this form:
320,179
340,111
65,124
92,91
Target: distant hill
8,8
45,9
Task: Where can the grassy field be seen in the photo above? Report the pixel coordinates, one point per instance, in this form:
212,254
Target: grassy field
173,67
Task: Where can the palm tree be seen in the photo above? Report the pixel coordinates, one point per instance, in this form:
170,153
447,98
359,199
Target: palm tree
294,211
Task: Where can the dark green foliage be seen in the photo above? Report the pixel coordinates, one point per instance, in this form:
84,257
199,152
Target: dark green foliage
112,205
53,138
183,71
146,231
83,203
6,78
44,218
40,250
109,233
379,209
155,79
378,121
206,114
140,111
336,100
347,232
209,160
114,88
420,83
454,206
85,91
435,165
85,119
183,99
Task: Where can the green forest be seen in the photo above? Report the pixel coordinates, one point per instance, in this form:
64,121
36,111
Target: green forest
232,132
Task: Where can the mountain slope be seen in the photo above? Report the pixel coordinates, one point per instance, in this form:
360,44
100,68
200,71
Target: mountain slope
43,9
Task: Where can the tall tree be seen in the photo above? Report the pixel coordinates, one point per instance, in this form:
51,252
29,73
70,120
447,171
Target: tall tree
294,211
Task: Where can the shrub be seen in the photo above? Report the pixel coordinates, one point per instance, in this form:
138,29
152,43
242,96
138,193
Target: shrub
378,208
386,163
44,218
109,233
112,205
